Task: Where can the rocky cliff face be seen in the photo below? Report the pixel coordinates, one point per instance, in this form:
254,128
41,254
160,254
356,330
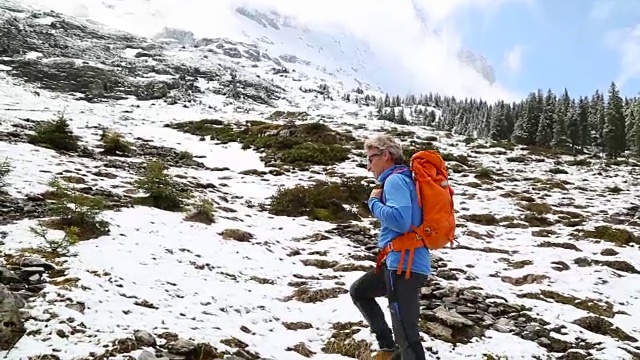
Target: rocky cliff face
478,63
61,54
276,21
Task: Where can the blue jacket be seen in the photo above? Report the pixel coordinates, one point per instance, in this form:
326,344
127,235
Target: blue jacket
397,210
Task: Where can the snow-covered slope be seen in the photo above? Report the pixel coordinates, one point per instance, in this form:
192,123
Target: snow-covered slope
547,265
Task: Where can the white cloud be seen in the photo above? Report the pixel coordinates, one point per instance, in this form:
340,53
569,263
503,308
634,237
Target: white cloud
513,59
389,27
627,42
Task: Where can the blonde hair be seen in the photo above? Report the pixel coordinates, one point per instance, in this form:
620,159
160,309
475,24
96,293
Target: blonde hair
388,143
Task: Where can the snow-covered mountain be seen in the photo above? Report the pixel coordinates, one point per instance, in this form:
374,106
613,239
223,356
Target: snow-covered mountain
395,63
216,190
336,49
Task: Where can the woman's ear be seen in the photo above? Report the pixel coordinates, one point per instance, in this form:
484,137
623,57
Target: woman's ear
387,155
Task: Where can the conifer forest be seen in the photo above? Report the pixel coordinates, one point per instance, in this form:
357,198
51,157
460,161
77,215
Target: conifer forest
607,125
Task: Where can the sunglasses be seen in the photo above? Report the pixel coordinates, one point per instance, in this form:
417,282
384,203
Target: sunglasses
373,156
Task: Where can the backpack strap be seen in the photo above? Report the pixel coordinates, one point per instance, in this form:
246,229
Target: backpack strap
404,243
395,171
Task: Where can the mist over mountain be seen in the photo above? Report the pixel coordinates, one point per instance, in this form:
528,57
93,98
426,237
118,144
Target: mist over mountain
389,47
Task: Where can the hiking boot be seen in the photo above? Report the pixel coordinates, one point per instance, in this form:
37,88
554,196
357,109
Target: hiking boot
385,342
387,354
383,354
396,354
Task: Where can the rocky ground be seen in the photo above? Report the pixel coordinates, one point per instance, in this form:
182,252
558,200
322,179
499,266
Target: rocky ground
156,205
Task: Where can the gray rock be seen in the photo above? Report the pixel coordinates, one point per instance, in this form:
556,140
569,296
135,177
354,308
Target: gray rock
529,335
11,326
78,306
33,270
465,310
543,342
501,328
29,262
20,299
451,318
148,355
8,277
144,338
181,346
505,322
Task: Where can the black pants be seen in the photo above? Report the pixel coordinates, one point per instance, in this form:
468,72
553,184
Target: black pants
403,295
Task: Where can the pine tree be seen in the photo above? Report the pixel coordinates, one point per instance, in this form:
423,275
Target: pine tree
560,138
544,135
526,127
509,120
573,125
614,136
485,124
583,120
380,108
630,114
636,130
597,120
401,118
497,122
431,117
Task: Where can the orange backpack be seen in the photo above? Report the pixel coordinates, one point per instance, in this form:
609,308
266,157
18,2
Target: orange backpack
435,197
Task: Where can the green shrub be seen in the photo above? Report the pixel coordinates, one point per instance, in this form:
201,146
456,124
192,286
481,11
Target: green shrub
323,200
413,147
558,170
288,115
537,208
469,140
462,159
203,212
185,156
579,162
163,192
55,135
615,235
484,173
516,159
401,134
113,143
298,145
56,247
316,154
614,189
237,235
548,184
507,145
72,209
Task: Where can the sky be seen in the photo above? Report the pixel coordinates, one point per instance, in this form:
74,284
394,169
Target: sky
582,45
